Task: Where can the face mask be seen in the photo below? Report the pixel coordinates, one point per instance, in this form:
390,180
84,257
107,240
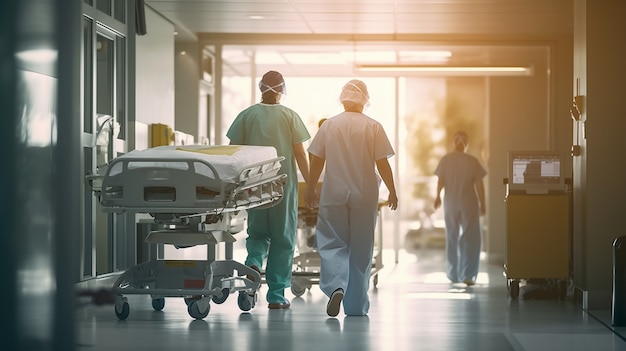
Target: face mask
265,88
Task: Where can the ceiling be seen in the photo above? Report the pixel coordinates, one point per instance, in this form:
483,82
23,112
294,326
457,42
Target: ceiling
475,32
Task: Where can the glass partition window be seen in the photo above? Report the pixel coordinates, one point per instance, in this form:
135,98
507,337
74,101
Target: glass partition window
87,75
120,86
119,10
105,78
104,6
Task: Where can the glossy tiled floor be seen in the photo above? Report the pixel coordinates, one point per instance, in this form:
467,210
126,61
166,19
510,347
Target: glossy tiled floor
413,307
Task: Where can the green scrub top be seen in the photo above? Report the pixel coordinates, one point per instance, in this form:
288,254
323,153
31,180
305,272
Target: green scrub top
271,125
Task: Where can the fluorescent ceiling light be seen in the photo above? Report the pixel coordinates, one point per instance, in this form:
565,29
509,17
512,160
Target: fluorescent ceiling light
445,70
315,58
386,56
425,53
391,56
260,17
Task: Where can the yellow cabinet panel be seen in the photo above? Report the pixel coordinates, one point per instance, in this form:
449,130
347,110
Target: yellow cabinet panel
538,236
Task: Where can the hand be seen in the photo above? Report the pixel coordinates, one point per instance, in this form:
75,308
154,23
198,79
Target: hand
437,202
311,198
392,201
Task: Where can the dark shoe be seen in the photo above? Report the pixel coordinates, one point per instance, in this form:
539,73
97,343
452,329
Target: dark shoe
332,308
279,306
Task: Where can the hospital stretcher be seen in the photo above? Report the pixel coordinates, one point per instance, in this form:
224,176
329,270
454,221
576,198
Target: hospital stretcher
195,193
306,261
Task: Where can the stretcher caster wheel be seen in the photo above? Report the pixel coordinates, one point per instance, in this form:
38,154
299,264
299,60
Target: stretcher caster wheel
219,300
158,303
122,309
299,286
297,290
245,301
189,300
196,310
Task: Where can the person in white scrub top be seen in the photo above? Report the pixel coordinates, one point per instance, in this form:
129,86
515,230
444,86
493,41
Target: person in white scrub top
461,177
351,146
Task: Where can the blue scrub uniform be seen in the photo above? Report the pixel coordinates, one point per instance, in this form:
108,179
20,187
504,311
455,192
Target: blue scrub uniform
351,143
459,172
272,231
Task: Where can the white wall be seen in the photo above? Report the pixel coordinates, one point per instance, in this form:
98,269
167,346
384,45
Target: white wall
187,70
155,73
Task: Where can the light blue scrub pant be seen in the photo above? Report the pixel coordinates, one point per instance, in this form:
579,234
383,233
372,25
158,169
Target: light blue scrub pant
272,235
345,240
463,242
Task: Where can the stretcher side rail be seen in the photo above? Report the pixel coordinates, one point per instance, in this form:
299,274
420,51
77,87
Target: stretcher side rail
255,195
176,185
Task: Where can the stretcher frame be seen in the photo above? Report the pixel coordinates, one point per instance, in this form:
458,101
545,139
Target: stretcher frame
191,215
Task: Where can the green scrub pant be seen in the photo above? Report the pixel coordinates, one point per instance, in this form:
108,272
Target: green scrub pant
272,235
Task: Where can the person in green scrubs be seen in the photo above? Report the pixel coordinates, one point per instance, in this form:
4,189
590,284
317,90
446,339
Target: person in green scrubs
272,231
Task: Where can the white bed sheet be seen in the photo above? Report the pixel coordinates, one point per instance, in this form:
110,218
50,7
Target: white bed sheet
228,165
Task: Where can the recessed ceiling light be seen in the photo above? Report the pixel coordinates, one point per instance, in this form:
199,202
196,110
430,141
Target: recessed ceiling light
449,70
420,54
259,17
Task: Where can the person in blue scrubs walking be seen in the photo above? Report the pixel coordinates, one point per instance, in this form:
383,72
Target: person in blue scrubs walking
351,146
461,177
272,231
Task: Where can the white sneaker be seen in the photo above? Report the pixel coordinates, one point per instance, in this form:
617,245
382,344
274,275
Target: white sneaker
469,282
334,304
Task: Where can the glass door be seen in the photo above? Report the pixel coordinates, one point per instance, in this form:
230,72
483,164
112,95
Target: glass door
104,136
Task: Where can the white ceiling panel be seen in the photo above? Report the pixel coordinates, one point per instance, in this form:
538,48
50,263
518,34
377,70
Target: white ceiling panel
347,8
448,17
430,21
328,27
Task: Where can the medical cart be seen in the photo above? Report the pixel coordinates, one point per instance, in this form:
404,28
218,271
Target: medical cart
538,241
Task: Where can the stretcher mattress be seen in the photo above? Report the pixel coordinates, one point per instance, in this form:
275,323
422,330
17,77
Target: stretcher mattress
229,160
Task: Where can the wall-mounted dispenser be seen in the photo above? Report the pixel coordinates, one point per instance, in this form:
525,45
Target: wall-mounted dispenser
576,112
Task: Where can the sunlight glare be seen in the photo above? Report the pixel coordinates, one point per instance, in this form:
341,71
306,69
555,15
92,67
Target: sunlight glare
436,278
441,278
441,296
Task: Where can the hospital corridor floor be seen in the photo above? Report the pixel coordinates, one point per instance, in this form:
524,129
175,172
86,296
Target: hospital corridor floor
413,307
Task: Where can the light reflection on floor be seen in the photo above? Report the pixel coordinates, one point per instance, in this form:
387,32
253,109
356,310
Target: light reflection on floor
413,307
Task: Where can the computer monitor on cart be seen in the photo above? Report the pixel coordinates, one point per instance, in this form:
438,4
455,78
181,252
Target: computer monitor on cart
535,172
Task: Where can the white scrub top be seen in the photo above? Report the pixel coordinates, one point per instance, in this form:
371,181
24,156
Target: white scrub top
350,142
